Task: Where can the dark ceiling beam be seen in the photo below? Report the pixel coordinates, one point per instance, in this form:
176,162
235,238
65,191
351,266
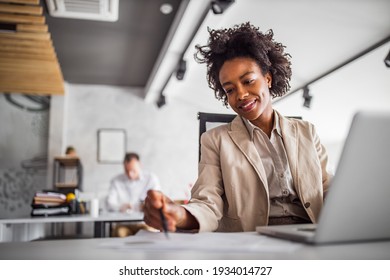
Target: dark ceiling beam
175,24
180,71
181,64
218,7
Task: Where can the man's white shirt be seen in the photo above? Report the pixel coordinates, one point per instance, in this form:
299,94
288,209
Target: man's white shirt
123,190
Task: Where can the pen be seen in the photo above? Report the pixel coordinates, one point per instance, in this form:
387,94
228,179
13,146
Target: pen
164,223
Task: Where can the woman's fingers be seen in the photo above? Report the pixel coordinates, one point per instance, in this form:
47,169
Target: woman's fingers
155,201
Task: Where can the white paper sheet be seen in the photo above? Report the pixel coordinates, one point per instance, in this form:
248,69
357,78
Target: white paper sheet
208,241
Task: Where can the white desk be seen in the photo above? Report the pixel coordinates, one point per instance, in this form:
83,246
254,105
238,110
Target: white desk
121,249
99,222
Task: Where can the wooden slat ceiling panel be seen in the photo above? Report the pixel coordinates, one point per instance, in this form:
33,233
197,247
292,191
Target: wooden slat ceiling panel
13,18
30,2
28,62
19,9
31,27
33,44
26,55
26,35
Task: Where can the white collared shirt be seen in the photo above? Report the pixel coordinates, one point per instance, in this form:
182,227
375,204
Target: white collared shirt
124,191
283,197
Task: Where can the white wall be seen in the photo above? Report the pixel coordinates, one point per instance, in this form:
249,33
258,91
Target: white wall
165,138
23,148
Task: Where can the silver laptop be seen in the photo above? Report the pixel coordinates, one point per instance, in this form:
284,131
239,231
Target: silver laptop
357,207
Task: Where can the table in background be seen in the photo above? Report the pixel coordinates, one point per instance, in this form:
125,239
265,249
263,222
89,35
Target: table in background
99,222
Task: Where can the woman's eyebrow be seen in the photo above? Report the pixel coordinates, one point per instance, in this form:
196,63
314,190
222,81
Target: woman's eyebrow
246,73
242,76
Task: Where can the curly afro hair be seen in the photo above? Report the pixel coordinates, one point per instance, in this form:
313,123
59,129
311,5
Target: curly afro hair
245,40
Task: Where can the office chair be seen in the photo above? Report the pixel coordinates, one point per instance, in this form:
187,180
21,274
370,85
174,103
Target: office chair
214,119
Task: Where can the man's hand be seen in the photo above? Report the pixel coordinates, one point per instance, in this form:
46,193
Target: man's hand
125,207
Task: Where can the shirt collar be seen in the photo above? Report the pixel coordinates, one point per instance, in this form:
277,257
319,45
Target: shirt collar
141,177
251,128
276,127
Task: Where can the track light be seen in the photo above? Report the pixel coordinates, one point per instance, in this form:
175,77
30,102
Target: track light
161,100
181,69
307,97
387,60
219,6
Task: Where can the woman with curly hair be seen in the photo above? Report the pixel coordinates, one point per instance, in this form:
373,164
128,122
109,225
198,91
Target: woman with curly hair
260,169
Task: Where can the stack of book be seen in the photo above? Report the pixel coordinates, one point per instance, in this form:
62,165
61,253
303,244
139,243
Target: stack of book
47,203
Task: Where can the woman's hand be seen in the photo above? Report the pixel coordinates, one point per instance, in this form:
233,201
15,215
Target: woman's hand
176,216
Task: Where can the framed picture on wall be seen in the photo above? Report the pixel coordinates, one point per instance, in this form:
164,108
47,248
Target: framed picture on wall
111,145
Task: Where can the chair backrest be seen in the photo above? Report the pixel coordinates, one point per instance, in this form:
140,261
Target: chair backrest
213,119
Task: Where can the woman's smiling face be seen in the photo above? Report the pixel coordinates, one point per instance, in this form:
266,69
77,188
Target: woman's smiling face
246,87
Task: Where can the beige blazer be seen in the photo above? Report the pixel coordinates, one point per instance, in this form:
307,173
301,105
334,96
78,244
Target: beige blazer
231,193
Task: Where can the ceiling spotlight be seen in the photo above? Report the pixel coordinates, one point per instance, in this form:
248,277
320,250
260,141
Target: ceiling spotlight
219,6
166,8
387,60
306,97
181,69
161,100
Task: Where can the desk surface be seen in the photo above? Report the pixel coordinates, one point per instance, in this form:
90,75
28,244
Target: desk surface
113,217
260,247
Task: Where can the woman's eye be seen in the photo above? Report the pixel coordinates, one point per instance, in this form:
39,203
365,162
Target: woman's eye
228,90
248,82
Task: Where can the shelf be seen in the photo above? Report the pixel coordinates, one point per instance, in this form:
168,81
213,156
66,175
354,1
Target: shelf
67,161
65,185
67,173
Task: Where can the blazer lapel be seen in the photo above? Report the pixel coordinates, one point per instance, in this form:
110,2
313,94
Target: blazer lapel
289,133
240,136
